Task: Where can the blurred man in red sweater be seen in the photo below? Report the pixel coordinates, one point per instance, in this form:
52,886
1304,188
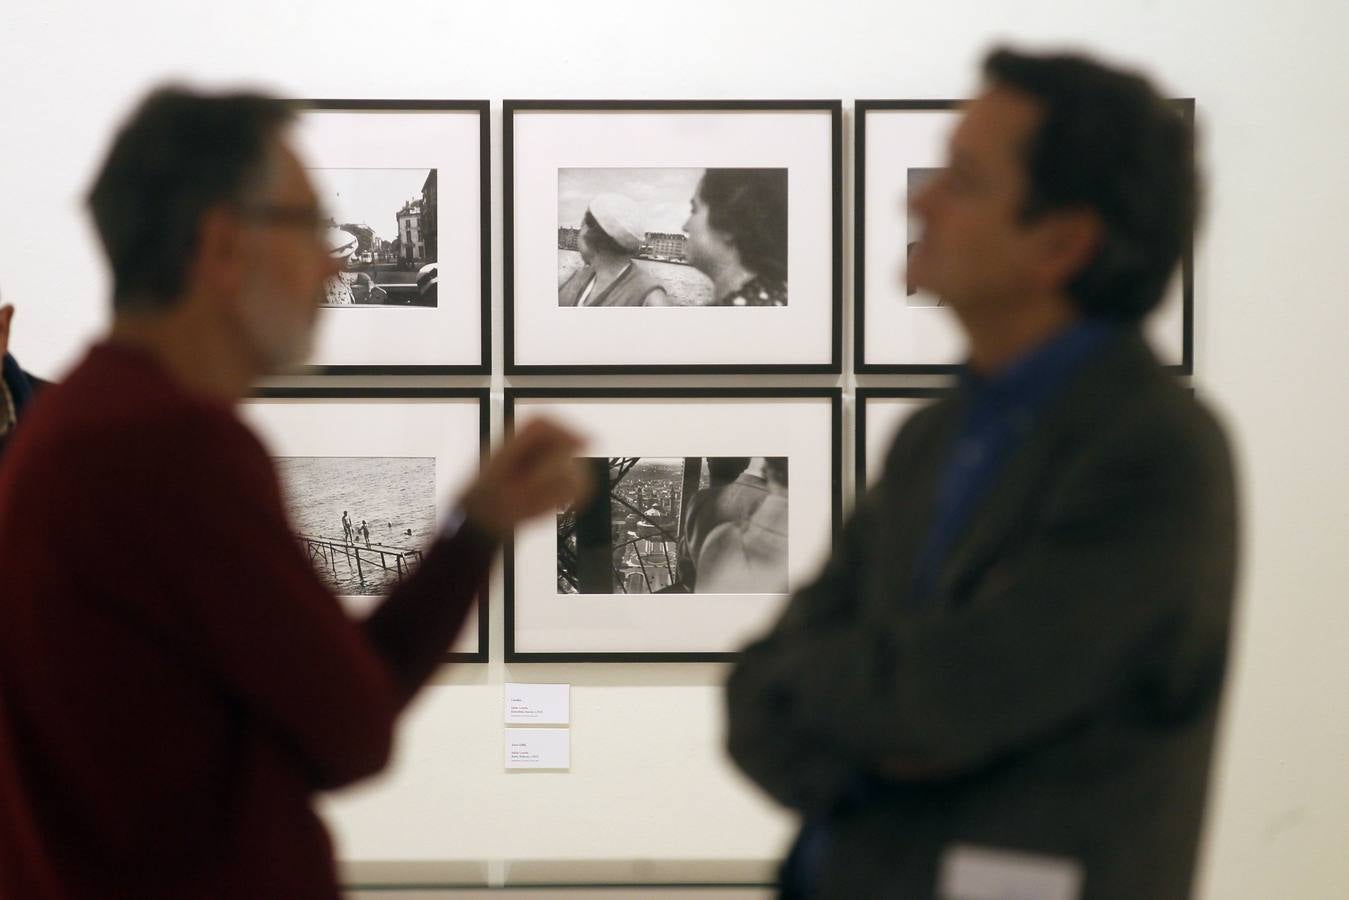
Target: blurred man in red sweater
174,688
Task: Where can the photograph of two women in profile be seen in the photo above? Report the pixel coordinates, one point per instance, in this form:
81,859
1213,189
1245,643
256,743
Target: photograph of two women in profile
672,237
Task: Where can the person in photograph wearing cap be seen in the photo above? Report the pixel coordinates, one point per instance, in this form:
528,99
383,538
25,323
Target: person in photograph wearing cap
347,288
610,237
428,284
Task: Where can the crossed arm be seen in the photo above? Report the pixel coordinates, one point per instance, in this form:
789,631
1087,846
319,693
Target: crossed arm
1107,589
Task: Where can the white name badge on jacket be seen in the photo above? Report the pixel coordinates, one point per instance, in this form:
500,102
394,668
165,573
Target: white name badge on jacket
968,872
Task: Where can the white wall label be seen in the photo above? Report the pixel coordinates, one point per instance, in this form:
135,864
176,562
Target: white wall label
986,873
538,704
538,748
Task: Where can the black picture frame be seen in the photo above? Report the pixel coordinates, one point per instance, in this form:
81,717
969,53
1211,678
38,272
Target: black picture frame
509,110
483,398
860,399
483,110
833,395
1185,105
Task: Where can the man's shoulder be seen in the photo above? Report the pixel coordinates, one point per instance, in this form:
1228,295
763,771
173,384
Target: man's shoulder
922,432
90,418
1132,401
1125,428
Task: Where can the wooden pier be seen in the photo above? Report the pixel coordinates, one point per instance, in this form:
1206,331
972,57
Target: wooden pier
359,557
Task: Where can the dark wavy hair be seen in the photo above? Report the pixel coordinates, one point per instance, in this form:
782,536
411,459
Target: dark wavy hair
750,205
180,154
725,469
1108,142
775,469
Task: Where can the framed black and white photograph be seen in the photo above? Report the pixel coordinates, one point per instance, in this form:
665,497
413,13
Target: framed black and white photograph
900,328
403,186
392,262
880,411
671,236
710,506
366,475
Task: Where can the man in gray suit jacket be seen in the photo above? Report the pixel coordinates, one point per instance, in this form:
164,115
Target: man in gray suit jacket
1005,681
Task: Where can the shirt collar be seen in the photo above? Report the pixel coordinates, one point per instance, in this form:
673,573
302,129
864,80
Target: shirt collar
1035,373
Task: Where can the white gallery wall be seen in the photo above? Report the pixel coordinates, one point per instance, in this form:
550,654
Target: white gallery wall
649,781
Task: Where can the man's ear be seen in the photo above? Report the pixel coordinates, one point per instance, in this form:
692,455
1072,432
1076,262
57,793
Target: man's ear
218,257
1067,242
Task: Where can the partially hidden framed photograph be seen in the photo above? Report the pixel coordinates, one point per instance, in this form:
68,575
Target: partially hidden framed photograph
711,506
366,474
672,237
901,328
403,187
880,412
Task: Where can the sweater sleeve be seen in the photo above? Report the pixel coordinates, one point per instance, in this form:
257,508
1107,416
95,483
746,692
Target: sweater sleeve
412,629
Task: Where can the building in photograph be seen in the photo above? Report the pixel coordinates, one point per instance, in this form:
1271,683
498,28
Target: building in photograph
431,248
411,246
663,246
568,238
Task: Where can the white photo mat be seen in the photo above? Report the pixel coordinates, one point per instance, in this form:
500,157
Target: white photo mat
447,429
548,335
895,332
799,428
448,141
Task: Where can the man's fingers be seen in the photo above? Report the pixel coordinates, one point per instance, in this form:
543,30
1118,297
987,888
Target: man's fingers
560,482
530,473
540,438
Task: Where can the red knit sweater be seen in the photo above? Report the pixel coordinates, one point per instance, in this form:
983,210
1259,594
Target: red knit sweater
175,681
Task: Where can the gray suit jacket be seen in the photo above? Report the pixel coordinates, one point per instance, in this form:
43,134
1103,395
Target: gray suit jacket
1059,697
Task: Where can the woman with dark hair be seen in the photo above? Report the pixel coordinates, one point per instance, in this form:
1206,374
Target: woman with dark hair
737,235
610,237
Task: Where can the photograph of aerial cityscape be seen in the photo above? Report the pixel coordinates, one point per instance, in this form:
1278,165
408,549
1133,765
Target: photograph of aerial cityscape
672,237
361,521
657,525
383,224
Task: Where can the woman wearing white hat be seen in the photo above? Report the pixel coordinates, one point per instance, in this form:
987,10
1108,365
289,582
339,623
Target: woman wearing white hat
339,289
610,237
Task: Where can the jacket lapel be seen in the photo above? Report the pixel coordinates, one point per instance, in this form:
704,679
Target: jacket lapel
1031,470
904,497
